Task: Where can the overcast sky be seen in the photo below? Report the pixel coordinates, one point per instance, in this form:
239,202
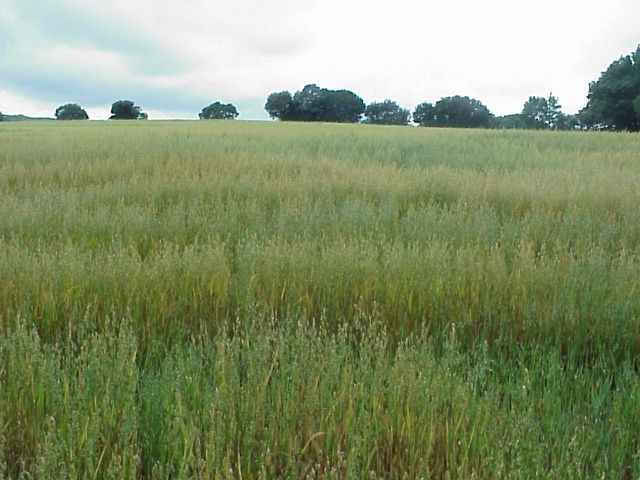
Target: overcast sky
175,57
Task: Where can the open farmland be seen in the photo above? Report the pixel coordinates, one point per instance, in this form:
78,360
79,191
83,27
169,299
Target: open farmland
263,300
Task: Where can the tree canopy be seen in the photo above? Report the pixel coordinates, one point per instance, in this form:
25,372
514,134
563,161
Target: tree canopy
542,113
315,104
533,112
636,105
386,113
614,99
127,110
512,121
71,111
278,105
539,113
219,111
424,114
454,111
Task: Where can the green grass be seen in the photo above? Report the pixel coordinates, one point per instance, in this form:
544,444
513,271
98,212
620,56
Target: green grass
262,300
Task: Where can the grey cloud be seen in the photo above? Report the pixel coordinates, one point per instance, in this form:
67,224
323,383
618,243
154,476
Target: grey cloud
254,28
278,44
54,22
38,36
34,27
62,85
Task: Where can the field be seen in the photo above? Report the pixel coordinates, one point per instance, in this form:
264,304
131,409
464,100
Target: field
262,300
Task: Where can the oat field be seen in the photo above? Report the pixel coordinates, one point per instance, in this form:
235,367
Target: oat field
242,300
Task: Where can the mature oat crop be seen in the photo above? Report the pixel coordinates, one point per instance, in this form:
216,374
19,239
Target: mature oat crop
263,300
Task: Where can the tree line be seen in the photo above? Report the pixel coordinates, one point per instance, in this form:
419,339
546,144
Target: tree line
613,103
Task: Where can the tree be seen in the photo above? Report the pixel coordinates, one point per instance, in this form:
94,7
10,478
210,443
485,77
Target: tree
613,99
71,111
533,112
542,113
386,113
219,111
553,113
1,117
278,105
315,104
310,104
424,114
636,107
513,121
568,122
342,106
127,110
457,111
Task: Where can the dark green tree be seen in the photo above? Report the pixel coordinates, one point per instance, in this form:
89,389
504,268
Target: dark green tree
127,110
534,111
457,111
568,122
424,114
386,113
71,111
513,121
542,113
279,105
553,113
612,100
311,104
1,117
219,111
315,104
342,106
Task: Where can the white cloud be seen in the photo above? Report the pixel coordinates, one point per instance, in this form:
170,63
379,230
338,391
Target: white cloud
11,103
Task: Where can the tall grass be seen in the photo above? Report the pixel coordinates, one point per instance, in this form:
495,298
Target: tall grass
247,300
280,401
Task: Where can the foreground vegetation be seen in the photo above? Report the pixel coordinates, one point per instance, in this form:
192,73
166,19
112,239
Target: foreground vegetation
237,300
